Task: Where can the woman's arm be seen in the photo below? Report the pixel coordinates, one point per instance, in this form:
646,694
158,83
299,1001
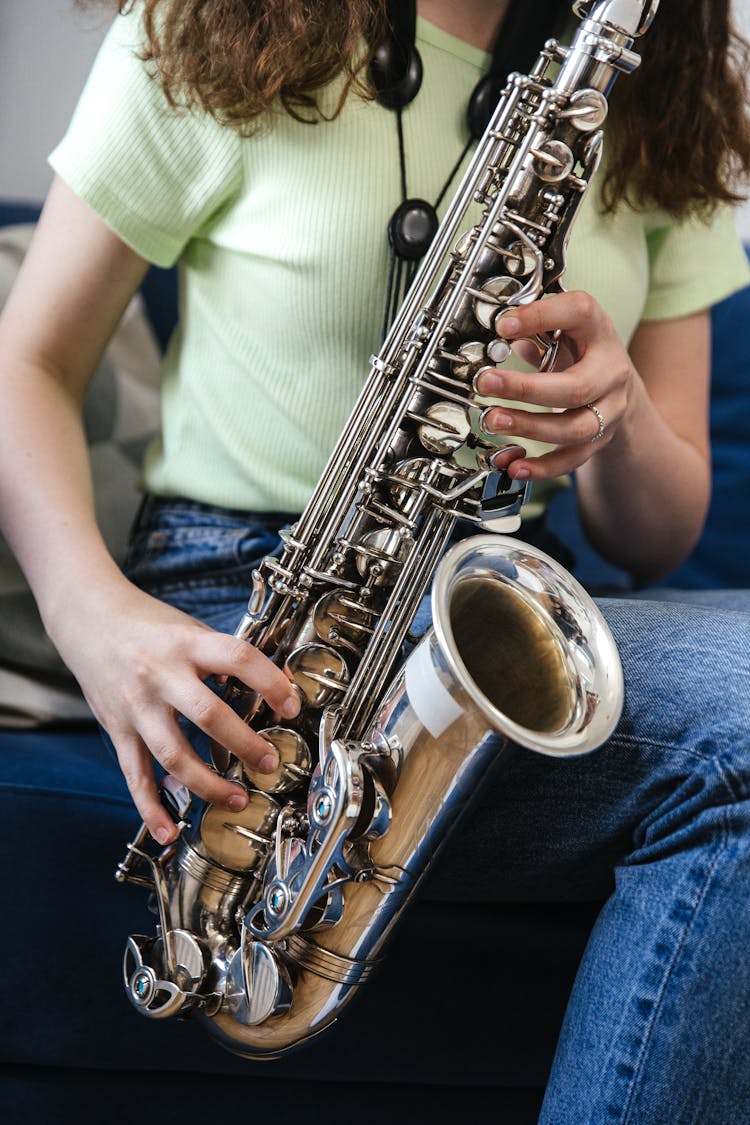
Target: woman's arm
644,486
643,501
72,288
139,662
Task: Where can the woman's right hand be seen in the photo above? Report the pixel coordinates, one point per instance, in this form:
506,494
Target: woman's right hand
140,664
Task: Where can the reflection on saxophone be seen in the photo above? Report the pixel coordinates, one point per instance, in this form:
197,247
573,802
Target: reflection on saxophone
270,919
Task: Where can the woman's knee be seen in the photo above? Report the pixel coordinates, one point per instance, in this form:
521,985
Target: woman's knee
686,670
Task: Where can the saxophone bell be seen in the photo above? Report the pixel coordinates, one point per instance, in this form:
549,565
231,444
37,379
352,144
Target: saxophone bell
527,644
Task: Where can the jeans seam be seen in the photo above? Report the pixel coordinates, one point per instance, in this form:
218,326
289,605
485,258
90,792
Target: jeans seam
633,742
666,976
737,790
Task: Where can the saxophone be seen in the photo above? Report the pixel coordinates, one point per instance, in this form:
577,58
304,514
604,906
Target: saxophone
272,918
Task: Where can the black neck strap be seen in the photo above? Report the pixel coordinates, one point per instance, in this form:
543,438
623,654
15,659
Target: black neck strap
396,68
516,48
396,73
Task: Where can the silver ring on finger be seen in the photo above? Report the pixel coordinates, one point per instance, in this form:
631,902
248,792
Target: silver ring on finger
600,419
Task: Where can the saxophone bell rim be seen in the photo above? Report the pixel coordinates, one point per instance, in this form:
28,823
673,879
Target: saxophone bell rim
586,646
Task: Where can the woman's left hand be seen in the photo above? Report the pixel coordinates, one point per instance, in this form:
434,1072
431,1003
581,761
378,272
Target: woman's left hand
586,393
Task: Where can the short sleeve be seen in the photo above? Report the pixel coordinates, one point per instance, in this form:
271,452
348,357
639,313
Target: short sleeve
693,264
154,173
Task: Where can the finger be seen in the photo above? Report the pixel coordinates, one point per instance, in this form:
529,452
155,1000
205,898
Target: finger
583,382
167,743
531,353
222,655
569,427
138,771
506,454
556,463
217,719
575,313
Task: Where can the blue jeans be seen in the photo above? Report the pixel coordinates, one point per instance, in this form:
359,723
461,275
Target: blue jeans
656,824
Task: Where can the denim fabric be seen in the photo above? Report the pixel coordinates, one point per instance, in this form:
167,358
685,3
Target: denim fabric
200,558
656,824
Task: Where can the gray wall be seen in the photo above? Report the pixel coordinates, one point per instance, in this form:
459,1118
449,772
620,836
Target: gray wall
46,47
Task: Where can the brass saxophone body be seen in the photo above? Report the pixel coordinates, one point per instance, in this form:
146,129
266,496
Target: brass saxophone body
271,919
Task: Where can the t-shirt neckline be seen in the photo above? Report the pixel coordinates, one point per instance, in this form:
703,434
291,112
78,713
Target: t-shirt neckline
429,33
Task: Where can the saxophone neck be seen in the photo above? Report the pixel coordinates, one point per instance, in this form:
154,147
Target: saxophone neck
631,17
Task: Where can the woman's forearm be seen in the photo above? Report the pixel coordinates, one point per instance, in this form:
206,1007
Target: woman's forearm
644,496
46,500
643,499
73,286
46,496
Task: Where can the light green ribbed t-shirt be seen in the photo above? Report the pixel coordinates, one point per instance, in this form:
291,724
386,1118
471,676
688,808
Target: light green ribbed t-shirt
281,244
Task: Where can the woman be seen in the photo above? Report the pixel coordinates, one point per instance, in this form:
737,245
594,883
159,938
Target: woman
278,229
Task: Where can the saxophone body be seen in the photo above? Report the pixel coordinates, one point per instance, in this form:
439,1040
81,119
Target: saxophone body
270,920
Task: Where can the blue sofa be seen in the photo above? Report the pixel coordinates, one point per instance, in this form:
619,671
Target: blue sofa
462,1018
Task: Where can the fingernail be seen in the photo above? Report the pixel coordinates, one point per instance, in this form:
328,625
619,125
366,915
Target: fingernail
162,835
507,325
489,384
290,707
490,421
269,763
237,802
521,474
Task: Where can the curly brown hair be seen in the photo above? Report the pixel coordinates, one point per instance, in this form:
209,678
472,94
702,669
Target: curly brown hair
237,58
680,123
681,133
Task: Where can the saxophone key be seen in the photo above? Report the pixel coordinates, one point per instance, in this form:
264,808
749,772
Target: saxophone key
467,361
405,483
295,761
494,294
586,110
343,621
519,259
443,428
380,553
553,161
240,841
498,351
149,988
258,984
465,243
319,672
